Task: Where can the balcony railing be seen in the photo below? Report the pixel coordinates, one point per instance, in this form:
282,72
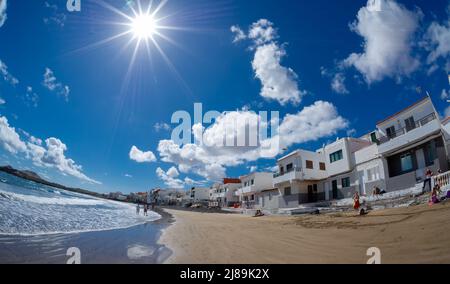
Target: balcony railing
295,169
402,131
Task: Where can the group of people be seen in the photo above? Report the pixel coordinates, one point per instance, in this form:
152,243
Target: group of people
435,191
138,209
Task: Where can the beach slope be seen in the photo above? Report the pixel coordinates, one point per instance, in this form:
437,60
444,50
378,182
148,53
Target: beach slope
418,234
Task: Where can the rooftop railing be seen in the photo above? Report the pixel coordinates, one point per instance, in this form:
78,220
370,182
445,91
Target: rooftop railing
402,131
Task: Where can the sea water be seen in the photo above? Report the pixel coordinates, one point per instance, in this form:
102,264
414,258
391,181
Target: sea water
29,208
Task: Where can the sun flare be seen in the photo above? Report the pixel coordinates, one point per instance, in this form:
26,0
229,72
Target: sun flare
144,26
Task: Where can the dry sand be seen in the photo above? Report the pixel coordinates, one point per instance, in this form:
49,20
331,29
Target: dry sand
418,234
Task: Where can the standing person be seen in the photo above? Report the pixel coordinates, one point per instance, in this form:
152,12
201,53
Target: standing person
356,201
138,209
428,176
145,209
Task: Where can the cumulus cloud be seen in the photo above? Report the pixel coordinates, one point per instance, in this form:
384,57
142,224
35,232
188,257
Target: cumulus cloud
437,42
388,41
2,101
9,139
52,84
51,155
170,178
210,158
278,82
141,156
31,98
3,16
6,75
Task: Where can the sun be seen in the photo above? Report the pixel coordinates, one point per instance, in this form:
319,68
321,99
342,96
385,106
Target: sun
144,26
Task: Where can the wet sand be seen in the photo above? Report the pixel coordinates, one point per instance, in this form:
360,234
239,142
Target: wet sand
135,245
417,234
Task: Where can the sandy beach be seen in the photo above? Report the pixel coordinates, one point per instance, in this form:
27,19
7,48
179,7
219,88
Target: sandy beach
417,234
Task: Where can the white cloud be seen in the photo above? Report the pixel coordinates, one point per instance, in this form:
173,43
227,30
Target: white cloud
437,40
6,75
253,169
2,101
278,82
141,156
161,126
128,176
170,178
338,84
52,155
3,16
388,40
210,159
9,139
262,32
52,84
239,34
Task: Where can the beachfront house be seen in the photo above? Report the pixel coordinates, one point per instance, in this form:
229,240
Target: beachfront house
251,185
223,194
393,157
411,141
200,194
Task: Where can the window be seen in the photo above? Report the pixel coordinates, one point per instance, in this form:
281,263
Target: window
346,182
373,174
406,162
390,132
253,197
253,181
309,165
289,167
287,190
430,153
373,137
410,123
322,166
336,156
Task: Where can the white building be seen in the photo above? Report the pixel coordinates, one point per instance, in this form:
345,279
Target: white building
223,194
251,185
393,157
200,194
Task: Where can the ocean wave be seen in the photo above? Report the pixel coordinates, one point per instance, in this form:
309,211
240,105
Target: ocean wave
51,200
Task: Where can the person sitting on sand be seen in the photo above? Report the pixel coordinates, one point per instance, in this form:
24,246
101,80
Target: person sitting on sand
434,197
376,191
356,201
259,213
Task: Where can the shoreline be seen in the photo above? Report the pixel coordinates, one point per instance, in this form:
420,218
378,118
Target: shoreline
134,245
415,234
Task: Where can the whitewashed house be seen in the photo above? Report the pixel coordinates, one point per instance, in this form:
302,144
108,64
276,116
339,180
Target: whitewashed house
251,185
224,194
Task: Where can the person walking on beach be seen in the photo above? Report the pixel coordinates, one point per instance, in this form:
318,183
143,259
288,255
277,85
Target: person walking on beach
145,209
138,209
427,181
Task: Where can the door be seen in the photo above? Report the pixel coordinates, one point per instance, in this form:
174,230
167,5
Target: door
312,193
334,186
410,124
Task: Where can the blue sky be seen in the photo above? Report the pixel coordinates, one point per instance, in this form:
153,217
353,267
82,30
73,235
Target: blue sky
72,110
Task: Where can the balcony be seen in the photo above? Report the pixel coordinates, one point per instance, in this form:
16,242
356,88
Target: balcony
245,190
402,137
288,176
